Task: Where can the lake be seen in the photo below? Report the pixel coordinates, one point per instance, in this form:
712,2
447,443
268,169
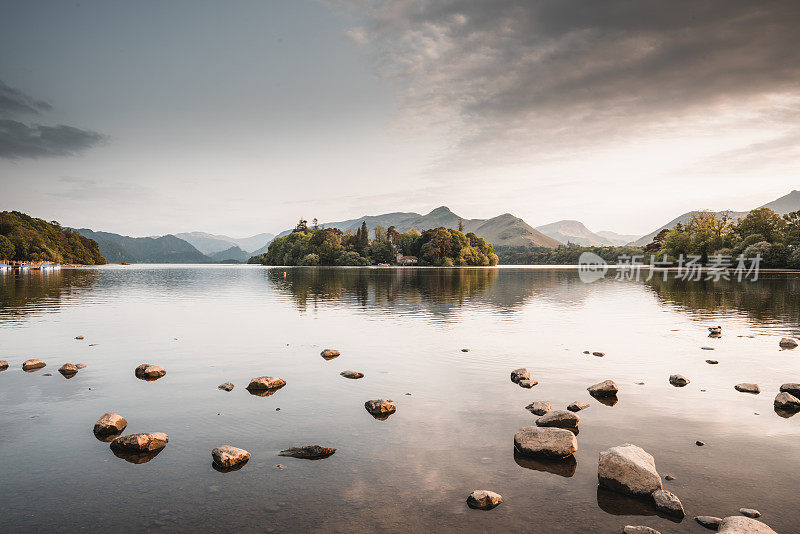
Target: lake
404,328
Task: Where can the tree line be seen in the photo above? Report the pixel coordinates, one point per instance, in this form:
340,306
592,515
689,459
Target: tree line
24,238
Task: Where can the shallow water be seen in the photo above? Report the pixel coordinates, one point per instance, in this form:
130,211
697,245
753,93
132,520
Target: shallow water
404,328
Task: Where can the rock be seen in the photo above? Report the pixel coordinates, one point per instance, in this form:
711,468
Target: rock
148,371
32,365
639,529
788,343
737,524
464,350
787,401
380,408
329,354
539,407
750,512
706,348
520,374
715,330
586,352
48,374
578,406
699,443
709,521
308,452
669,477
607,388
352,374
145,442
678,380
80,365
791,388
227,456
227,386
265,383
525,383
78,337
668,503
712,362
628,469
3,365
109,424
68,369
548,442
484,499
599,354
747,387
559,419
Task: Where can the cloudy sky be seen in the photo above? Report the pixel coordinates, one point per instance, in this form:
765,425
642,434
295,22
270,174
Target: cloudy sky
238,117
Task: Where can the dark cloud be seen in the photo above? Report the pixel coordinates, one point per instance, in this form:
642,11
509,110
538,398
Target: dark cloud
537,74
20,140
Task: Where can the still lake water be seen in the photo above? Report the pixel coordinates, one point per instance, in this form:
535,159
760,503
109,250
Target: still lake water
404,328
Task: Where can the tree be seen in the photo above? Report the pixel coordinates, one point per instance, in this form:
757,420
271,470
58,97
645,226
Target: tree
6,248
302,225
460,224
362,237
392,235
762,221
315,223
380,234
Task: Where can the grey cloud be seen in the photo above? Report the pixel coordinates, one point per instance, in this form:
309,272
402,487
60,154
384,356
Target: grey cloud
14,102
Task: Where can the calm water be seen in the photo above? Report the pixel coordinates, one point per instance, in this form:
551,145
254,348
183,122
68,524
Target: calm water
404,329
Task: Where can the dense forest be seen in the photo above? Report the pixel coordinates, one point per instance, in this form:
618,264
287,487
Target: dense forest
563,255
330,246
25,238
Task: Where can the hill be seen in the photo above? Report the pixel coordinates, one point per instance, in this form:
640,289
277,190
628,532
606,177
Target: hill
617,239
785,204
573,232
25,238
231,255
166,249
683,219
509,231
212,243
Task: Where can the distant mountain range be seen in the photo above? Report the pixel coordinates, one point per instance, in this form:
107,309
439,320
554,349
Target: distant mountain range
210,244
166,249
574,232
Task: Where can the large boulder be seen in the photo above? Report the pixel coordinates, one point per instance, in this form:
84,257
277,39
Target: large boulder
484,499
144,442
228,456
628,469
539,407
308,452
788,343
792,388
668,503
148,371
68,369
32,364
265,383
109,424
520,374
548,442
786,401
559,419
380,408
606,388
739,524
678,380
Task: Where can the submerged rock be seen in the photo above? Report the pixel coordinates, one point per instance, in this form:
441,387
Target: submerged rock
228,456
578,406
678,380
3,365
308,452
639,529
714,331
144,442
539,407
712,362
464,350
628,469
786,401
709,521
668,503
380,408
227,386
109,424
78,337
352,374
606,388
747,387
548,442
484,499
32,364
699,443
80,365
265,383
68,369
791,388
750,512
526,383
148,371
706,348
560,419
520,374
788,343
738,524
598,354
329,354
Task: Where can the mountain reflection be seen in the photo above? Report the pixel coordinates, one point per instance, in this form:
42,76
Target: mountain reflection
34,291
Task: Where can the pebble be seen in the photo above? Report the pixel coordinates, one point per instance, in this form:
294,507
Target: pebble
699,443
678,380
712,362
709,521
484,499
750,512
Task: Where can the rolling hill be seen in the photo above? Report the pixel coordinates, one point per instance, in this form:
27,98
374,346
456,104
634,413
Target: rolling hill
212,243
166,249
574,232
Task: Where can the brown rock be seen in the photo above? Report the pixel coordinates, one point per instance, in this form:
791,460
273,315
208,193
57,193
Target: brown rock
678,380
559,419
109,424
578,406
737,524
78,337
308,452
668,503
227,386
548,442
352,374
148,371
265,383
746,387
786,401
598,354
32,364
329,354
144,442
628,469
380,408
484,499
787,343
539,407
520,374
228,456
639,529
791,388
527,383
607,388
3,365
68,369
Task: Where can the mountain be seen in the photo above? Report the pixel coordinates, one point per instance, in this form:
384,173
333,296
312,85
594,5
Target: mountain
25,238
231,255
616,239
213,243
509,231
166,249
573,232
785,204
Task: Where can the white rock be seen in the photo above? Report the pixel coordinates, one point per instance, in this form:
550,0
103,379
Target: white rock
668,503
739,524
628,469
549,442
560,419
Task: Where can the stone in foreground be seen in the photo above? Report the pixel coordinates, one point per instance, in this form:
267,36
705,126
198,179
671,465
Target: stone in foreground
709,521
750,512
352,374
548,442
68,369
747,387
539,407
32,364
559,419
668,503
678,380
145,442
227,386
791,388
526,383
628,469
227,456
520,374
3,365
308,452
786,401
606,388
265,383
329,354
578,406
109,424
788,343
484,499
639,529
738,524
380,408
148,371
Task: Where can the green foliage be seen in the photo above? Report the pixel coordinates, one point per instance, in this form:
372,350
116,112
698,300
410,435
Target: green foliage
25,238
563,255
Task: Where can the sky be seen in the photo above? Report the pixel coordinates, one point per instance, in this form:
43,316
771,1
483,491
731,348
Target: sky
148,118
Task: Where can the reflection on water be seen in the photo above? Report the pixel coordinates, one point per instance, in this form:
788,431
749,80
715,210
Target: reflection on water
405,330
